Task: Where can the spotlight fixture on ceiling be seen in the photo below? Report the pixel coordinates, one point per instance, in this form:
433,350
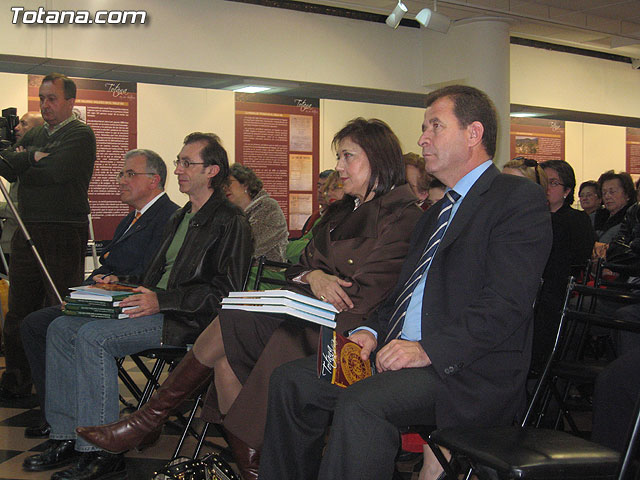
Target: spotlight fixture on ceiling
433,20
393,20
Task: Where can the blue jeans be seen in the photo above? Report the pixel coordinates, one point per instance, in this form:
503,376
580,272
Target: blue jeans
82,374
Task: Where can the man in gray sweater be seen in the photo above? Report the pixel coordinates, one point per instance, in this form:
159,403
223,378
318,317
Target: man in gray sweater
54,164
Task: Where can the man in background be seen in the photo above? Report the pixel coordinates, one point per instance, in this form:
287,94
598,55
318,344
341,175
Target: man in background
54,164
135,241
10,224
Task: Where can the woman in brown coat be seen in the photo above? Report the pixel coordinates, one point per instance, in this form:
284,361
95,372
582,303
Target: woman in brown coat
352,262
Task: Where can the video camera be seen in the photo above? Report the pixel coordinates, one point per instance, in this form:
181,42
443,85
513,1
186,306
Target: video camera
8,122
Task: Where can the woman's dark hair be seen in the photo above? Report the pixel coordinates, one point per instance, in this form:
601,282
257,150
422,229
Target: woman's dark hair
247,178
625,181
566,174
590,183
383,151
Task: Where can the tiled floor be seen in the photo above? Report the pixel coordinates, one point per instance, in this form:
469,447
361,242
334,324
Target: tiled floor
14,448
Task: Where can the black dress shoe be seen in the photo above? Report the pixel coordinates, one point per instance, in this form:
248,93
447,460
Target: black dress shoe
98,465
57,454
41,431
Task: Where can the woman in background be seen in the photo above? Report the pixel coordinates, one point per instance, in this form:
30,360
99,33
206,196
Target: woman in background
268,225
618,194
528,168
591,201
573,239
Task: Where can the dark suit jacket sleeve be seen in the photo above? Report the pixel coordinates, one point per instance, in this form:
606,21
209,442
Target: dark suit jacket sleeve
130,255
517,247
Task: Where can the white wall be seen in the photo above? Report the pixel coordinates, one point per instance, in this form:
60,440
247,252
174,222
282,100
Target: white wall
166,114
404,121
230,38
593,149
573,82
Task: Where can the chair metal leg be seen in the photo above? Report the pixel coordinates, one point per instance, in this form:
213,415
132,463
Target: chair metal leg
152,383
128,382
446,465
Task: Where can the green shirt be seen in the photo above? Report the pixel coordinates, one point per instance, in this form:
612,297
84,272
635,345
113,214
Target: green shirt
174,248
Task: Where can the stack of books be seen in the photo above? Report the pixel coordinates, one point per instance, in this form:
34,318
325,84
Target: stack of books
284,302
98,301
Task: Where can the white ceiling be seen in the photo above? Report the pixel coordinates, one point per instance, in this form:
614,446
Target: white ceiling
611,26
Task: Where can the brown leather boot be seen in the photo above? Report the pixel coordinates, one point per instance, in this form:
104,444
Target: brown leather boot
145,425
247,459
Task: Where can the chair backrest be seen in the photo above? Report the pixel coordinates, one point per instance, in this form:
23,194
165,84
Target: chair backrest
261,262
557,346
577,316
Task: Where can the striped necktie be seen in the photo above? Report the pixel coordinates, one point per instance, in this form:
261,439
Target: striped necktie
135,219
402,300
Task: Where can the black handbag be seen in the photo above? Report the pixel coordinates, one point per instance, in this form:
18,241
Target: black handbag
209,467
623,258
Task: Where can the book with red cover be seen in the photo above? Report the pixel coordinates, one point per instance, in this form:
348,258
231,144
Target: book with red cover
339,359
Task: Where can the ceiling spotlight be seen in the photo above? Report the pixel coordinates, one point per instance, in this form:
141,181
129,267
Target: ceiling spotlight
432,20
393,20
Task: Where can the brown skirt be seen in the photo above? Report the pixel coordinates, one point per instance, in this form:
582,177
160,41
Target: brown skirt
245,336
255,345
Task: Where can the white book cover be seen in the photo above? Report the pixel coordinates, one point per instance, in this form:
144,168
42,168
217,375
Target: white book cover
294,312
77,295
286,294
285,302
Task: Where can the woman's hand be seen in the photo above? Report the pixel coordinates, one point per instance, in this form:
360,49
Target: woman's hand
328,288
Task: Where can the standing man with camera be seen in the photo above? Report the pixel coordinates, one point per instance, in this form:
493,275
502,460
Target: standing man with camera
54,164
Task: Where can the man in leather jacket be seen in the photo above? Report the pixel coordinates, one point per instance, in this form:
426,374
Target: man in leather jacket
205,253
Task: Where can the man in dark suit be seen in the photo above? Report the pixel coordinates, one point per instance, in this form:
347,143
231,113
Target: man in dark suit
135,240
453,340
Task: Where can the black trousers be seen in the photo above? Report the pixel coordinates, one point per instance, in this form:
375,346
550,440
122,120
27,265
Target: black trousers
614,399
62,248
364,437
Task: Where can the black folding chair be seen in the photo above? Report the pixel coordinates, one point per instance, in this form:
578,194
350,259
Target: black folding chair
532,453
261,262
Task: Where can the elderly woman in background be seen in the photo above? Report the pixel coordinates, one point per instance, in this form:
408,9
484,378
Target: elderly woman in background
268,225
618,194
591,201
417,178
573,239
352,262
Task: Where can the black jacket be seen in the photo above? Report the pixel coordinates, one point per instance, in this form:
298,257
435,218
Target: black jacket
212,261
